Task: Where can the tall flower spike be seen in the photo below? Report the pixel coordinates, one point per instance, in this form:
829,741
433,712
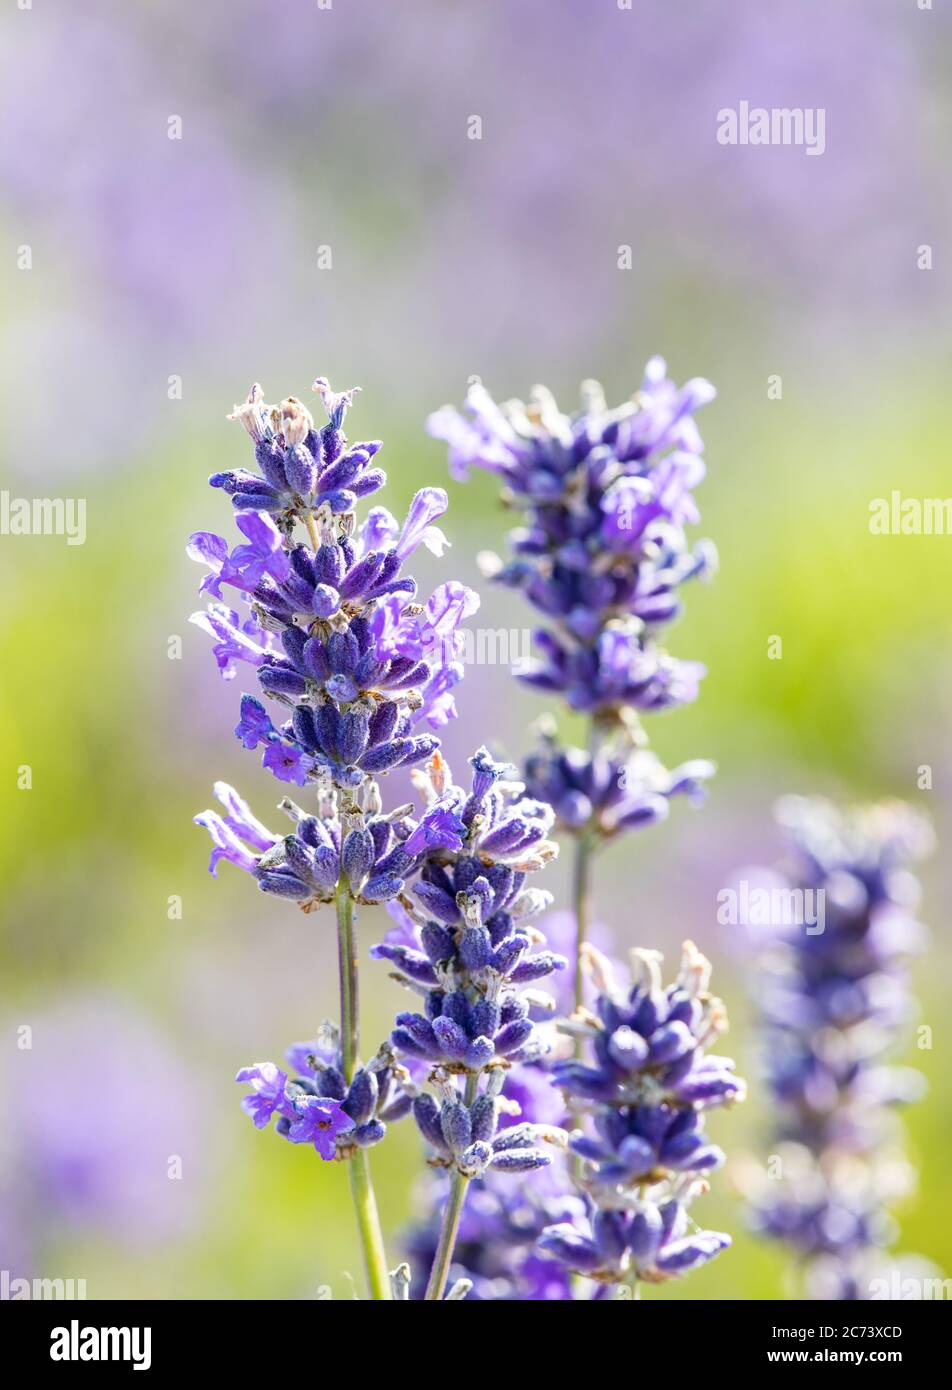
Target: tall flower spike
464,944
644,1152
347,663
606,496
834,1005
340,649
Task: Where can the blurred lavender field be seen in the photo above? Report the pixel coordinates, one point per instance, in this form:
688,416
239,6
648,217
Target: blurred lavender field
325,211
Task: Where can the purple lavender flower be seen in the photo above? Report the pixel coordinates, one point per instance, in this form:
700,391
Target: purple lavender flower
649,1048
609,791
299,466
651,1243
319,1122
462,943
357,662
472,954
268,1095
235,638
318,1106
308,864
644,1152
834,1002
465,1134
606,496
359,658
233,833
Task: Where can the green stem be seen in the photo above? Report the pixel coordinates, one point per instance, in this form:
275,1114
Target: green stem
349,1001
452,1212
361,1184
448,1232
368,1224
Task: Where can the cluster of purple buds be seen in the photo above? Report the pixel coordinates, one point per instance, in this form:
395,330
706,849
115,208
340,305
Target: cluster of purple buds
649,1243
467,1135
465,943
317,1106
606,495
617,787
644,1152
337,637
349,659
361,848
300,465
834,1001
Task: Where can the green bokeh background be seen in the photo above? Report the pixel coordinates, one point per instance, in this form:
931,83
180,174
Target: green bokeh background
123,742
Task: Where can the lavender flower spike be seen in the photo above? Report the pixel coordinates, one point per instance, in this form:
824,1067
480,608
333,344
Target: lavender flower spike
643,1149
607,495
471,952
834,1005
465,946
347,664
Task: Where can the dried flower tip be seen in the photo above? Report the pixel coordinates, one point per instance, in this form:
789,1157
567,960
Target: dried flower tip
552,1134
471,906
400,1283
539,1000
296,421
599,969
695,973
459,1291
253,415
335,402
592,395
439,772
646,969
715,1022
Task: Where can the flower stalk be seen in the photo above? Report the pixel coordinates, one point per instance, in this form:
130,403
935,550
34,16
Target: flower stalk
835,1003
449,1229
368,1227
348,664
606,495
349,990
361,1182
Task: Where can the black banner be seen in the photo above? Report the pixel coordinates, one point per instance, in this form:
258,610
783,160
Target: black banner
164,1338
